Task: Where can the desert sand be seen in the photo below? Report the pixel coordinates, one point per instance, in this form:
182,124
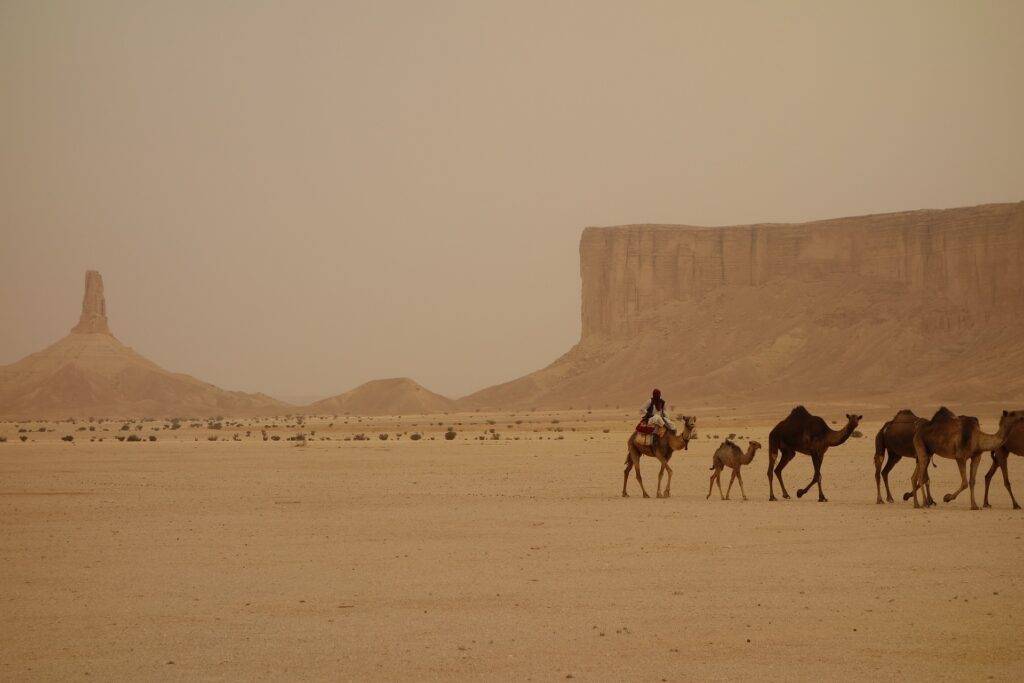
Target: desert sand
503,558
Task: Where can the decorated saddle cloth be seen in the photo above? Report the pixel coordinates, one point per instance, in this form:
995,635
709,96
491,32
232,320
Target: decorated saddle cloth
644,434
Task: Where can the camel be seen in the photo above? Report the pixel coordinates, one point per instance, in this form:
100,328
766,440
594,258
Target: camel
666,445
897,437
802,432
958,437
1014,444
730,455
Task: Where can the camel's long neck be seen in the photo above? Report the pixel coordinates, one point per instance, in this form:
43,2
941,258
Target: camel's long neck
990,442
748,457
840,437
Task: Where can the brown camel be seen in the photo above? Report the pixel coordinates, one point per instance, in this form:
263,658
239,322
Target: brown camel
730,455
666,445
802,432
1014,444
958,437
897,437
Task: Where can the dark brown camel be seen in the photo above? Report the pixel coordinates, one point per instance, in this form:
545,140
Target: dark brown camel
1014,444
666,445
802,432
958,437
897,437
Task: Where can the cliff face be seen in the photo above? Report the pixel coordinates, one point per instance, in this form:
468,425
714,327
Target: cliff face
968,258
915,306
94,306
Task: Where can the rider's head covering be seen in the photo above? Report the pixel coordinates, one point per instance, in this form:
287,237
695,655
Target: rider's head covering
656,393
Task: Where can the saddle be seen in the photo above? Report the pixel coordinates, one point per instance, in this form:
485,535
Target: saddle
645,434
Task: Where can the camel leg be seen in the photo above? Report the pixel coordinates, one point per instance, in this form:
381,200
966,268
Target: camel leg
1003,465
783,461
711,483
889,464
739,478
661,473
962,464
988,478
814,479
718,480
668,482
728,489
625,475
771,468
975,461
639,479
878,473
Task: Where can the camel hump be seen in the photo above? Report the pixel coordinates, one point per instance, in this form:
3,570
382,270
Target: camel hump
799,411
943,413
906,414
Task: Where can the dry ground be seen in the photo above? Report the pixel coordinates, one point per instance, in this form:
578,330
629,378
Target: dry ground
485,559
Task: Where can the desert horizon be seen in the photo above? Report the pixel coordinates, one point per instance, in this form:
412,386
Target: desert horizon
511,341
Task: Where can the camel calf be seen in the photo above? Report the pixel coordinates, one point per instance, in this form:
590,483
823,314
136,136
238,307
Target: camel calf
730,455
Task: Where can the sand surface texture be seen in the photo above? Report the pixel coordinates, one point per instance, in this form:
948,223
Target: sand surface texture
498,559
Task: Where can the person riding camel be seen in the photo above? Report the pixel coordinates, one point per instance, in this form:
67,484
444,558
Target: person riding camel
654,414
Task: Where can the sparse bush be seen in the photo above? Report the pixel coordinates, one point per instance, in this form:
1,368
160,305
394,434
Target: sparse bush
495,436
857,434
450,434
23,438
383,436
3,439
606,430
67,438
152,438
275,437
134,437
415,436
211,438
119,438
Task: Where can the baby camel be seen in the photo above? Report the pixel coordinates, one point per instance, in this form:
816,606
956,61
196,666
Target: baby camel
730,455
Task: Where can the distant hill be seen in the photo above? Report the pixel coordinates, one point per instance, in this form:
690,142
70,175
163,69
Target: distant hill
397,396
913,306
90,373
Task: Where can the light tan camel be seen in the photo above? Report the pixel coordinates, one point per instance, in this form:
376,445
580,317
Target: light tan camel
958,437
666,445
730,455
1014,444
801,432
897,437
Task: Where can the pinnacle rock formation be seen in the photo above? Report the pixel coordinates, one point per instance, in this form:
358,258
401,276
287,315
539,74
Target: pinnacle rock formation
94,306
926,306
90,373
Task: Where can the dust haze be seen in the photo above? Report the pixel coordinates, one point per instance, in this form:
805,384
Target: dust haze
295,199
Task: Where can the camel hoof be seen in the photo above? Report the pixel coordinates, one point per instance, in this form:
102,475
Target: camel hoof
889,499
946,498
879,502
772,499
906,496
986,505
786,496
975,507
625,495
800,493
1016,507
646,496
666,495
822,499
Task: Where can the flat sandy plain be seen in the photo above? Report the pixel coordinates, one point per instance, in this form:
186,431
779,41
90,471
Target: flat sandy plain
498,559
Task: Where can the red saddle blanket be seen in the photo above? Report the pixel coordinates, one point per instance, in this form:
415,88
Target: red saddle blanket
642,428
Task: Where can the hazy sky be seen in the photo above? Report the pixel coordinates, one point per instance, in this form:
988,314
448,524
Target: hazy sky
296,197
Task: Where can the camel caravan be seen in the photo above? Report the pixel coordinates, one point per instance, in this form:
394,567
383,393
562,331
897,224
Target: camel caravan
906,435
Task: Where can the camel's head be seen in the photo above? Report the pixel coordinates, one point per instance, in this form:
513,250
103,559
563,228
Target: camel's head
690,429
754,445
853,420
1011,419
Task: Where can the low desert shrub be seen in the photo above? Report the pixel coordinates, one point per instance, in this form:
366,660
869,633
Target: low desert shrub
415,436
67,438
134,437
450,434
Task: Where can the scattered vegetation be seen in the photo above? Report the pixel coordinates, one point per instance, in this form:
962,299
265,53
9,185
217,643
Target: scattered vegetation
67,437
450,434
